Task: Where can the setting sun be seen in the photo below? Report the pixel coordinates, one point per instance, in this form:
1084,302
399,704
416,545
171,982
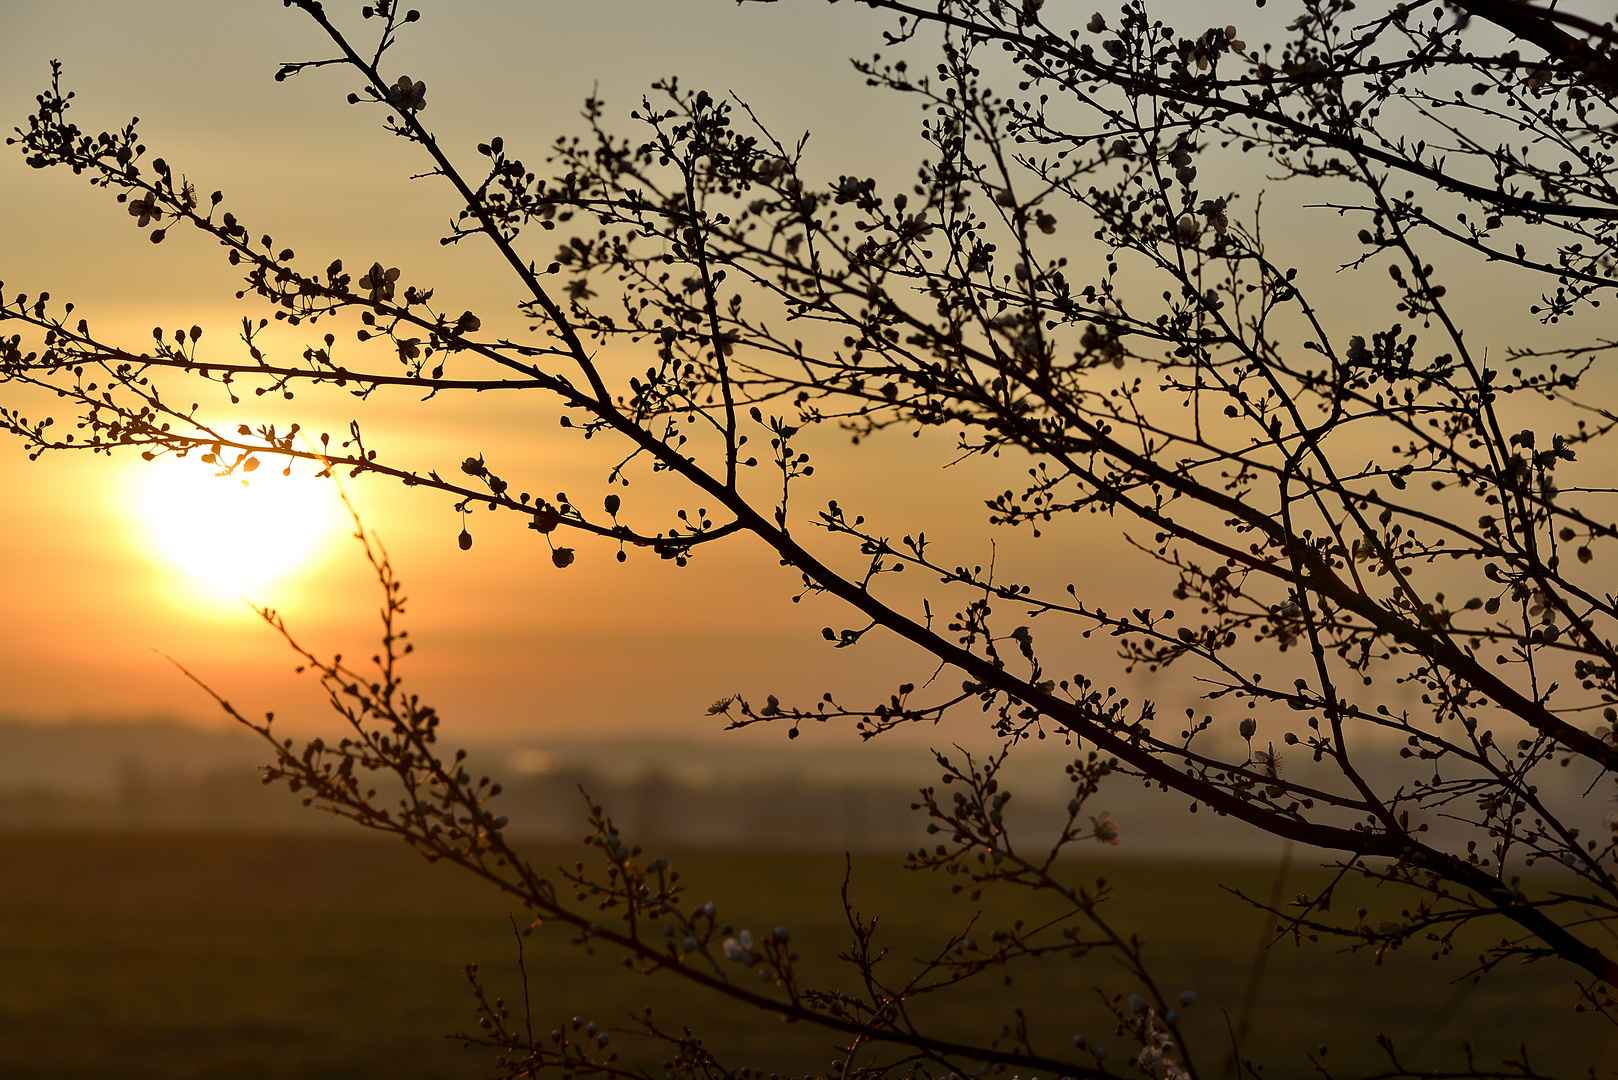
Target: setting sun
232,538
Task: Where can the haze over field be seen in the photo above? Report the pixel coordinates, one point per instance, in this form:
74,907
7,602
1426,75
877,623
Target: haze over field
162,776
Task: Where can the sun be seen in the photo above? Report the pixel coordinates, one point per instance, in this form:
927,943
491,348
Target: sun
233,536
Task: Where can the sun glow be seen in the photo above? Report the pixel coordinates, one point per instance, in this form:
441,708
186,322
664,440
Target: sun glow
231,539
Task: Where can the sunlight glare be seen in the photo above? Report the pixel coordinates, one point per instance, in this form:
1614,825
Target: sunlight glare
233,539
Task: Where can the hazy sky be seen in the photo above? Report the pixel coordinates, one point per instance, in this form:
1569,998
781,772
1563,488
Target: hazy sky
506,641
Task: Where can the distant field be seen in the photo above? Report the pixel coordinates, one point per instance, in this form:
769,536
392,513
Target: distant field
320,958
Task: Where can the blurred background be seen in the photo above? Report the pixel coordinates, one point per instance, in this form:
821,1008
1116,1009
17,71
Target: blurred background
163,914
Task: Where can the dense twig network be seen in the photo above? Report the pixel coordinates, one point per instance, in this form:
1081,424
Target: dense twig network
1405,656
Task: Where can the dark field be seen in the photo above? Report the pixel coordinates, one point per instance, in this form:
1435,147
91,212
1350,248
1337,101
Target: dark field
239,956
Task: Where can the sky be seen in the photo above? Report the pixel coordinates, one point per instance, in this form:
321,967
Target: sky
91,594
100,576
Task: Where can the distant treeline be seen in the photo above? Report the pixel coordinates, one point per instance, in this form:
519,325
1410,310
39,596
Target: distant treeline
162,776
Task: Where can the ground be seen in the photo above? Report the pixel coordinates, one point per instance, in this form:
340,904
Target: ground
320,958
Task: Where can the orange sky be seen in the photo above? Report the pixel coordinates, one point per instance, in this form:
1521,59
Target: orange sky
508,643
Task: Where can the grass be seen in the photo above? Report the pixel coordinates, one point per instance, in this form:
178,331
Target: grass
316,957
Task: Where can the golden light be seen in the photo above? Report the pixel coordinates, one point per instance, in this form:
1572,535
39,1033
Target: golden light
229,539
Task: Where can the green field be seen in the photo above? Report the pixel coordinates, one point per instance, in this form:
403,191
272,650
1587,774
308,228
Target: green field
251,956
